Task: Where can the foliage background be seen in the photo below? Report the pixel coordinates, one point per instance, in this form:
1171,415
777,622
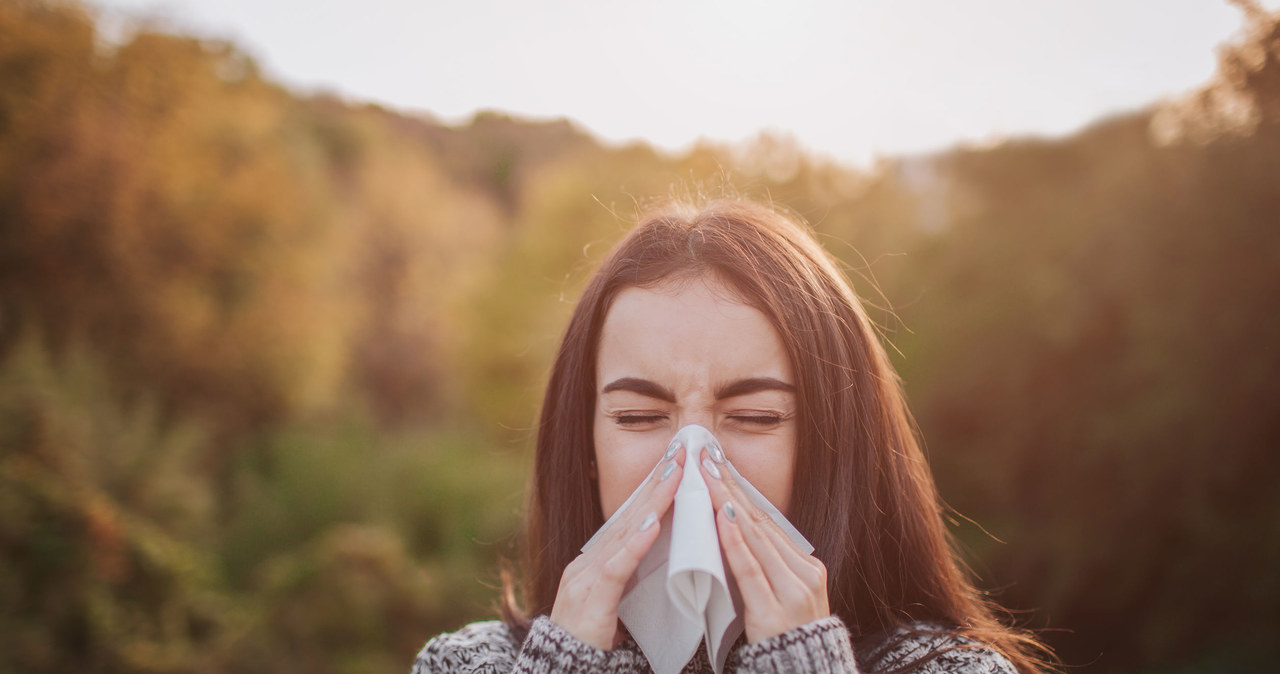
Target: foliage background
269,362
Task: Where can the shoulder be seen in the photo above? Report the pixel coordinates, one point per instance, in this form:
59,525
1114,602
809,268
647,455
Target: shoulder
928,648
480,647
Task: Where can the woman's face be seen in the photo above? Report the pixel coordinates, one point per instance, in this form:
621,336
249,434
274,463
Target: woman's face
691,353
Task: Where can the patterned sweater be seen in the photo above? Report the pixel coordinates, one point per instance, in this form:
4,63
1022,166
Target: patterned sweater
821,646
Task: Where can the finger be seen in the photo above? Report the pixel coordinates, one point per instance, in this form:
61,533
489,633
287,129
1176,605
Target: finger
617,570
662,486
785,583
610,555
809,569
788,574
757,594
715,475
587,600
723,488
655,495
659,477
664,478
730,490
762,611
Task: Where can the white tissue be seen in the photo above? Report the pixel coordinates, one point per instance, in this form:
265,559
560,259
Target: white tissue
682,591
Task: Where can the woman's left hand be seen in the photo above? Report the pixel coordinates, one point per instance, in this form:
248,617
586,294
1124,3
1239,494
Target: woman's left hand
782,587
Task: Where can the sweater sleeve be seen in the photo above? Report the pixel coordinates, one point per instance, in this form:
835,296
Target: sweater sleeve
549,648
479,648
935,650
490,648
820,647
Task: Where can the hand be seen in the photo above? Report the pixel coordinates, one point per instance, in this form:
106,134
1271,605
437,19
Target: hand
586,603
782,587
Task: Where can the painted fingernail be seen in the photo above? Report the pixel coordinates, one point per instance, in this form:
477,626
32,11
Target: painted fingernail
672,449
649,521
717,454
711,468
666,472
730,511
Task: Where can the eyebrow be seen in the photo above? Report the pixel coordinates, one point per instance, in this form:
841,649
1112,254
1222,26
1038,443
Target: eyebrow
753,385
741,387
642,386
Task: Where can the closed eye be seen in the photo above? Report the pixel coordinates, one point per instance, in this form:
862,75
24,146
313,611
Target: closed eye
758,419
638,419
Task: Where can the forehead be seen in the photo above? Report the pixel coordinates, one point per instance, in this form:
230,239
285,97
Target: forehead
692,327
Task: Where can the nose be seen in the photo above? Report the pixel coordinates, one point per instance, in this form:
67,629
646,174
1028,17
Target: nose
700,416
695,404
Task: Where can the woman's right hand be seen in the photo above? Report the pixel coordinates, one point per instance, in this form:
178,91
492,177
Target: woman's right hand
591,587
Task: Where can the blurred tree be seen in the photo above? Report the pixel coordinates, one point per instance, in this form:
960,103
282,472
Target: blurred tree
101,521
1088,395
422,242
151,202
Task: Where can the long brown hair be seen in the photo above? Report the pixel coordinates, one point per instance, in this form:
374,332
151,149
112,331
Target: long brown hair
869,503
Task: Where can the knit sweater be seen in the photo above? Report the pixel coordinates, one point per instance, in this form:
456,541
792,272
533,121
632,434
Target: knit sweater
820,647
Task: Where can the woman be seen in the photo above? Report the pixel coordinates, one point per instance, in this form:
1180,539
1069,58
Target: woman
731,316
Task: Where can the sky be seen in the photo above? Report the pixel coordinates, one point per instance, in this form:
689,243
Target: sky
848,79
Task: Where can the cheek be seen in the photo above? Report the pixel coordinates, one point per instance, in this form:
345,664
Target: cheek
770,467
623,461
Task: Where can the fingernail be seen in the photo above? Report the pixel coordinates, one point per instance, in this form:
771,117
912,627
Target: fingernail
717,454
666,472
711,468
730,511
672,449
648,521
